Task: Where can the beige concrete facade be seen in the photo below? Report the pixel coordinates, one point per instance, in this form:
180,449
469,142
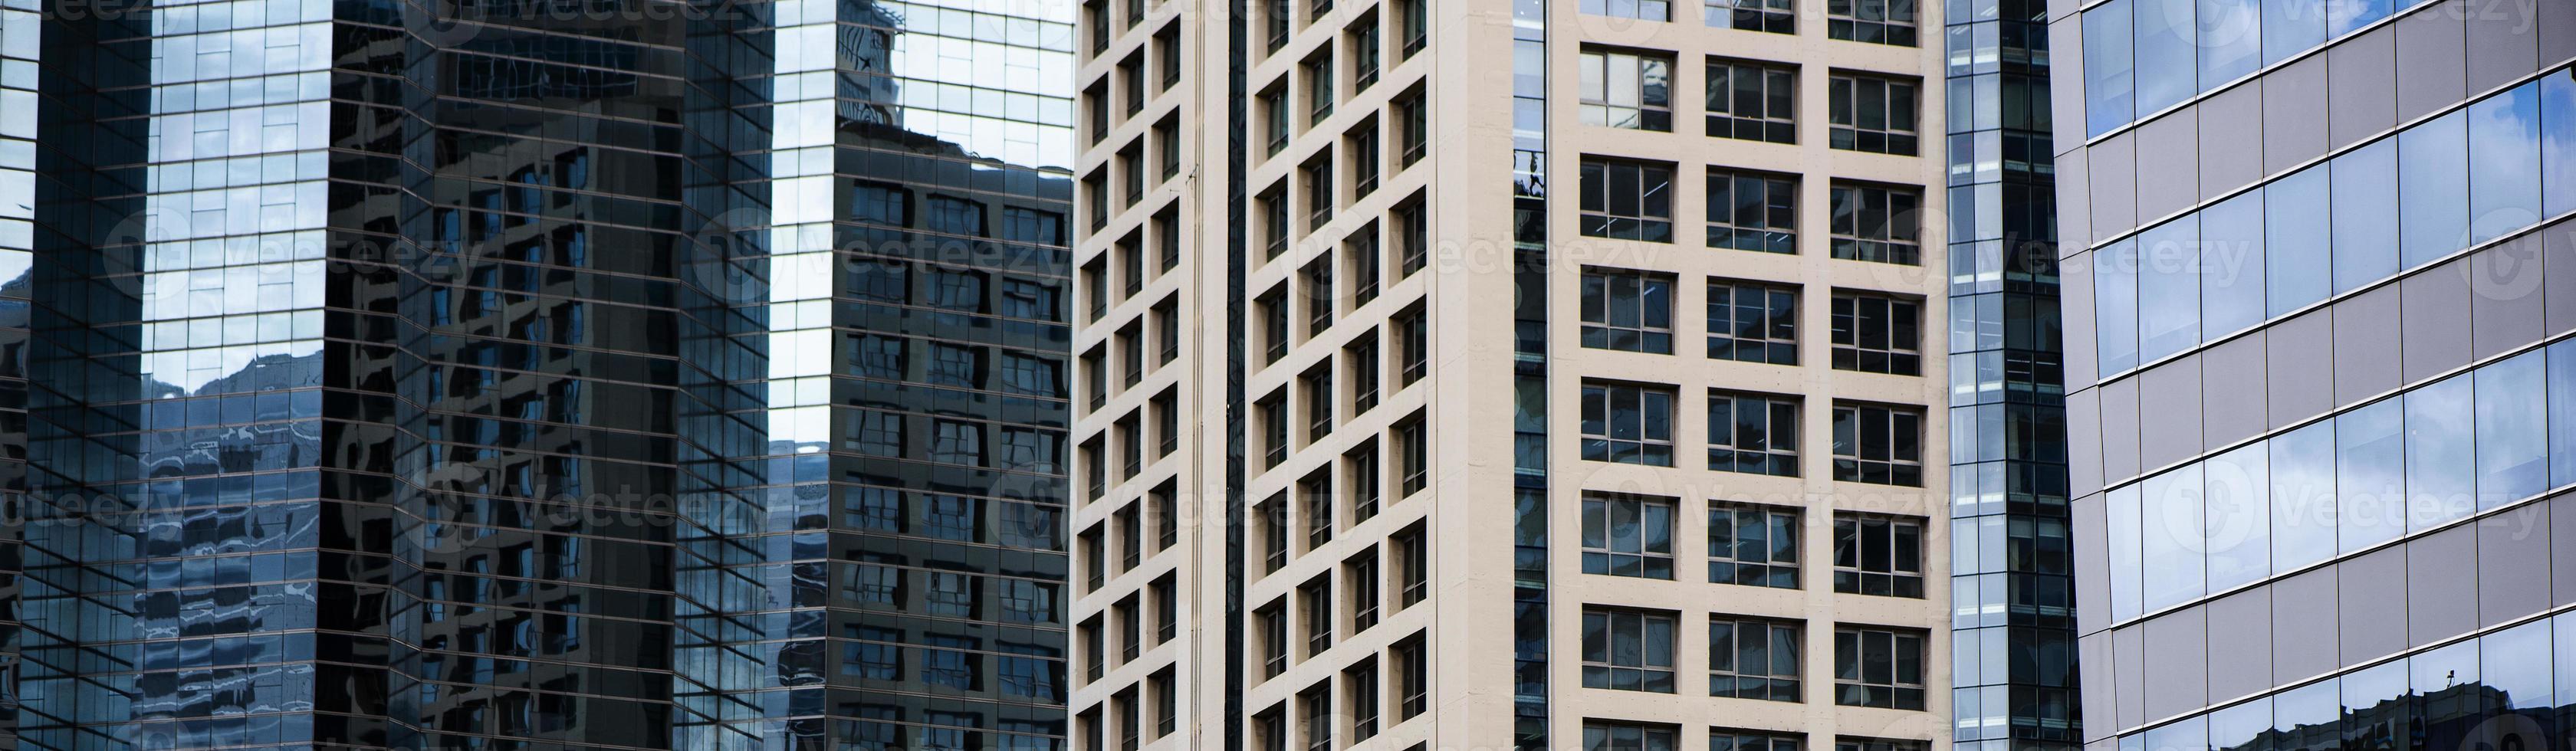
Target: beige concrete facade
1462,516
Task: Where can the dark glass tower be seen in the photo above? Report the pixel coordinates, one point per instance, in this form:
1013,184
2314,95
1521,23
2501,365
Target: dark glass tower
644,375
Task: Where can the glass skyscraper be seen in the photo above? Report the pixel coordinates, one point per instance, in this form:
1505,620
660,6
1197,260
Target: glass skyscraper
2321,396
643,375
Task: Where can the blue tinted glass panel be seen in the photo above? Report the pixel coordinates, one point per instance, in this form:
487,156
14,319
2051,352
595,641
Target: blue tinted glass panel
2365,214
2291,27
2191,734
2513,438
2165,61
2170,516
2370,482
2127,560
2231,264
2562,413
2433,187
2508,662
2306,717
2504,163
2168,289
2231,40
2239,514
2343,16
2244,726
2558,142
2110,90
2303,495
2441,450
2298,266
2115,305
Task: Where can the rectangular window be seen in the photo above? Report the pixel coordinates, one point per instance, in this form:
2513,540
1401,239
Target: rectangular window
1318,71
1131,352
1272,725
1417,24
1872,114
1274,113
1315,496
1167,609
1318,387
1627,650
1131,629
1412,678
1318,705
1274,428
1167,237
1414,121
1360,145
1413,456
1359,252
1413,563
1167,423
1274,221
1167,332
1872,21
1273,622
1276,22
1362,39
1412,235
1627,90
1877,555
1167,146
1131,170
1316,600
1627,200
1273,516
1094,649
1095,14
1876,667
1773,16
1095,558
1361,472
1731,739
1131,265
1753,433
1754,546
1361,575
1752,323
1359,684
1167,48
1877,223
1627,310
1628,423
1132,72
1752,101
1414,326
1752,658
1360,358
1643,10
1095,102
1167,703
1877,334
1878,444
1131,538
1273,310
1129,725
1318,174
1752,211
1854,743
1624,736
1628,536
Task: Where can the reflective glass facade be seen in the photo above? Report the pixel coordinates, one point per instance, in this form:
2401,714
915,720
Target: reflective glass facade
647,376
2317,364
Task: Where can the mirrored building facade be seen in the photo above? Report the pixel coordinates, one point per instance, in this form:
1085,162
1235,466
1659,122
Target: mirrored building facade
2320,397
642,375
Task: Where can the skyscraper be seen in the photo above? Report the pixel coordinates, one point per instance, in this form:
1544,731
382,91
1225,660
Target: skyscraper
2319,384
644,375
1383,444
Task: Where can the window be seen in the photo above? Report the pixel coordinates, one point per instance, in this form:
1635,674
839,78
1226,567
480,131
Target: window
1131,538
1167,331
1875,555
1274,425
1626,200
1872,114
1752,101
1412,678
1274,111
1132,71
1729,739
1752,211
1412,456
1753,433
1318,71
1752,323
1628,536
1854,743
1414,14
1167,704
1622,736
1413,127
1167,423
1318,174
1131,352
1096,14
1754,546
1361,146
1627,90
1131,167
1273,517
1627,650
1362,39
1873,21
1167,236
1412,235
1878,444
1319,296
1167,48
1361,469
1273,310
1167,146
1751,658
1315,494
1362,576
1131,630
1316,600
1129,725
1318,387
1276,22
1876,223
1274,221
1272,725
1360,357
1414,328
952,365
1877,334
1273,622
1095,286
1878,668
1413,565
1643,10
1131,265
1318,703
1627,310
1094,649
1774,16
1628,423
1359,252
1359,684
1096,188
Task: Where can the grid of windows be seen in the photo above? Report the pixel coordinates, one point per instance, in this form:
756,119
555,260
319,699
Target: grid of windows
1754,546
1628,423
1878,444
1627,310
1873,114
1627,90
1628,536
1752,211
1752,658
1872,21
1752,323
1627,200
1876,667
1877,334
1875,555
1774,16
1752,101
1753,433
1627,650
1877,223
